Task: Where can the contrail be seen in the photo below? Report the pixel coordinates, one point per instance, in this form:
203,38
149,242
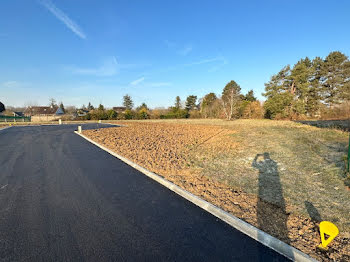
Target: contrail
63,17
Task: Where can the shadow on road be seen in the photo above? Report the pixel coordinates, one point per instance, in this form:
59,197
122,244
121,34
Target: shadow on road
271,208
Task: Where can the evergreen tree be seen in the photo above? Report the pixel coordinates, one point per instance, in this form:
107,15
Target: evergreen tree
90,107
230,98
101,107
280,92
310,84
278,83
300,80
62,107
313,96
250,96
191,102
207,104
127,102
278,105
142,106
2,107
335,78
177,103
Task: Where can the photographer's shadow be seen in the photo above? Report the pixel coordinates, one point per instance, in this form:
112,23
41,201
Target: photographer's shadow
271,208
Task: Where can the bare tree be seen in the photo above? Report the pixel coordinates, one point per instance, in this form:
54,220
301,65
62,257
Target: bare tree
53,102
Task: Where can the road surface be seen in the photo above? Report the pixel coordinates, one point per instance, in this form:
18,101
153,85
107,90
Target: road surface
64,199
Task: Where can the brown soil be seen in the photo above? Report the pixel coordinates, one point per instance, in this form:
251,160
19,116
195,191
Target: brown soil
163,149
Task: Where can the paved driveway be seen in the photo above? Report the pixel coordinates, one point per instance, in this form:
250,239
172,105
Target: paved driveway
64,199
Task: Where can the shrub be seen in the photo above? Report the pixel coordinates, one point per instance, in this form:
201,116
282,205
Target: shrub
143,114
128,114
278,106
112,114
175,113
253,110
195,114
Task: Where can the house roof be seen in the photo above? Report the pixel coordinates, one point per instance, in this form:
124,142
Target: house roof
119,108
18,113
40,110
59,111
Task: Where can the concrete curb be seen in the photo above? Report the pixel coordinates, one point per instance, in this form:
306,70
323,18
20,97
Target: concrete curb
6,127
253,232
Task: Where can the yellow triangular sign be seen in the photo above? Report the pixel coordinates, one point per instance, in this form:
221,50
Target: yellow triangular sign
329,229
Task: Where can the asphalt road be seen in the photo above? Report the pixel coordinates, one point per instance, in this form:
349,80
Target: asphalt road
64,199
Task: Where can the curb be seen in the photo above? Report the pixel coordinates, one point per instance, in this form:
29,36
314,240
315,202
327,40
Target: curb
5,128
253,232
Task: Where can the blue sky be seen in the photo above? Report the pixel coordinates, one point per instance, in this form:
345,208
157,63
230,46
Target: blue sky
78,51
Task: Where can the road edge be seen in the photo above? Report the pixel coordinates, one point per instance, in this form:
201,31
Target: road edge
244,227
6,127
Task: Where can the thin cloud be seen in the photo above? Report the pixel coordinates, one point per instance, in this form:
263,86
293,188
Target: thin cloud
215,64
15,84
185,51
169,44
10,84
137,81
109,68
160,84
209,60
60,15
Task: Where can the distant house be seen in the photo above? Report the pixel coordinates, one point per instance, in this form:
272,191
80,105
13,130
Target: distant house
18,114
43,113
82,112
40,111
119,109
59,111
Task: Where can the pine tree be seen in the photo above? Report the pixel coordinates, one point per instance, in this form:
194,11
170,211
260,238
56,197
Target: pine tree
279,91
230,98
127,102
143,106
62,107
177,103
313,96
191,102
90,107
2,107
250,96
207,104
278,83
300,77
335,78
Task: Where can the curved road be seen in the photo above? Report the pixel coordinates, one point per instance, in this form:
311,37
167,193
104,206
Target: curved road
64,199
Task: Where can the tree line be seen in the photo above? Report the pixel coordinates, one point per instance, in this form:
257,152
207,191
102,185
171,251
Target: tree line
311,88
231,104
